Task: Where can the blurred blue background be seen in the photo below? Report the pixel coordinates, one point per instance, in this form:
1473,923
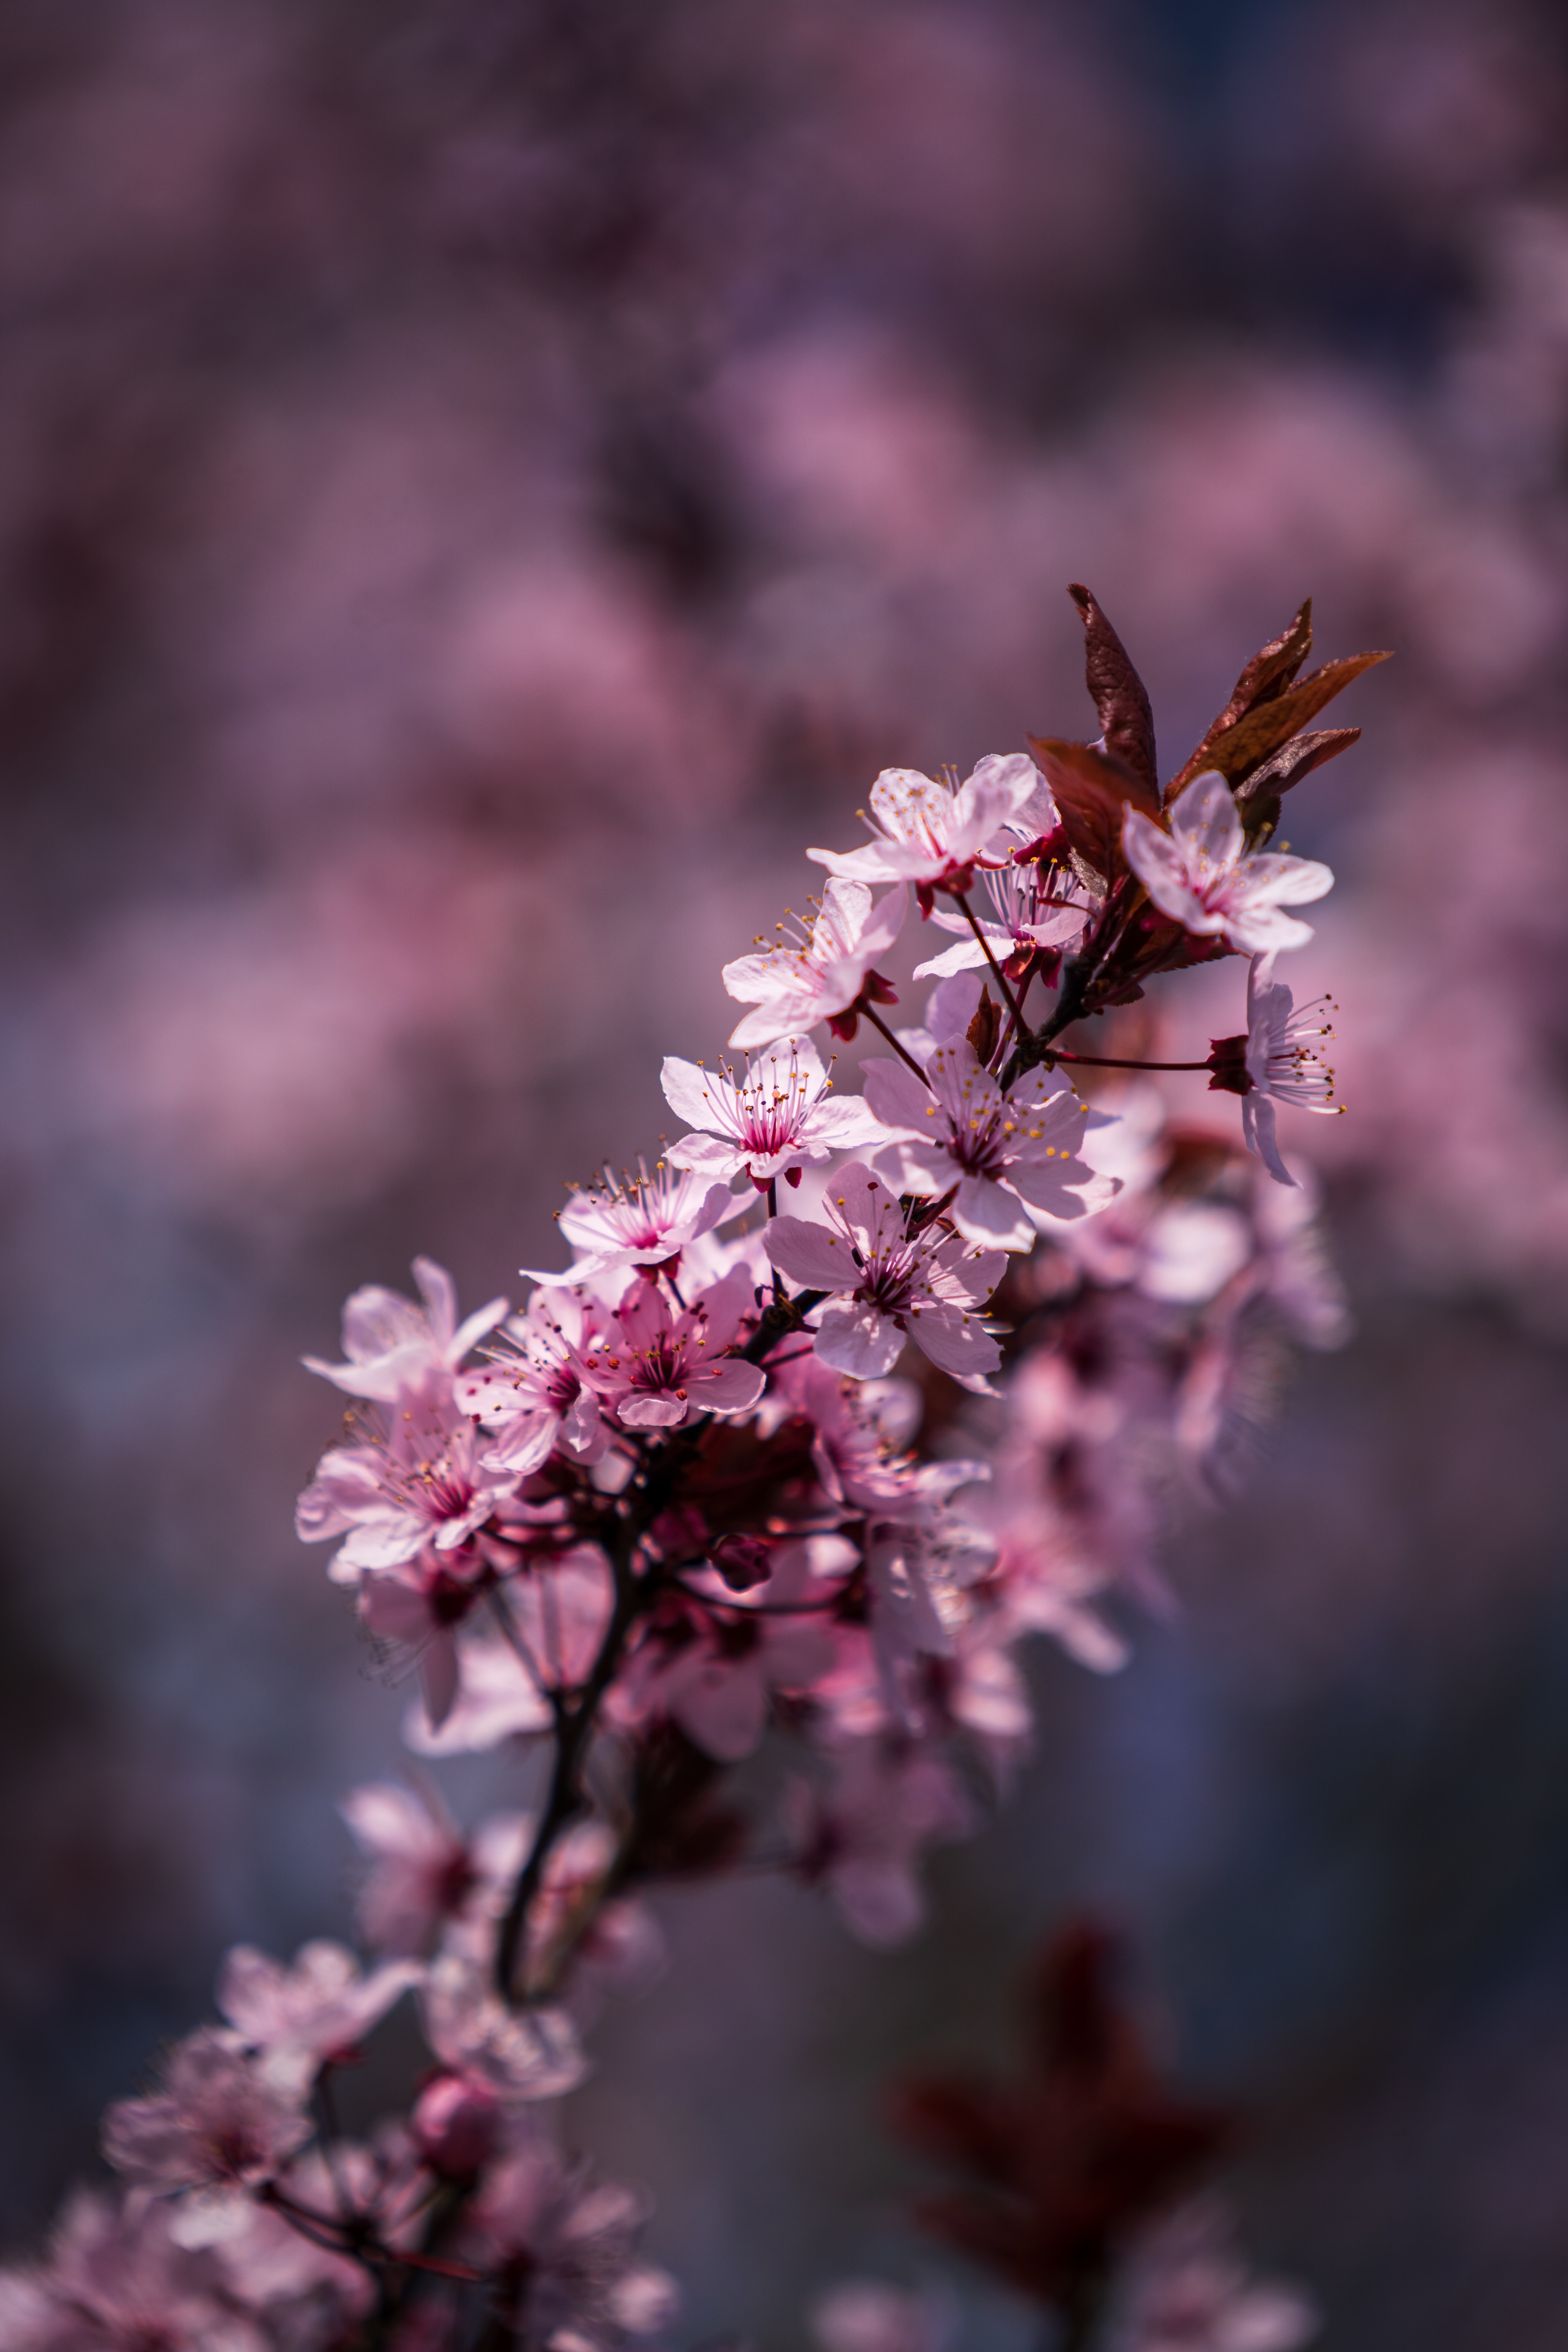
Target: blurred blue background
481,488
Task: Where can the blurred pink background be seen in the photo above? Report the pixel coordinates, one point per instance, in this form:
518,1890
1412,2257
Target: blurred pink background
481,488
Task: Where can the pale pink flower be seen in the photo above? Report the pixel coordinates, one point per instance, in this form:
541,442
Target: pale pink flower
295,2020
519,2055
414,1611
818,976
1187,2289
118,2278
645,1220
389,1342
770,1124
862,1838
1028,915
497,1699
1202,873
422,1872
714,1674
930,832
663,1366
217,2129
927,1286
422,1477
1009,1161
864,2315
533,1395
1282,1063
577,2237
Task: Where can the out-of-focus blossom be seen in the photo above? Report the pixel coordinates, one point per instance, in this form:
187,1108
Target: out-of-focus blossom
1188,2290
571,2239
863,1837
819,976
771,1124
118,2277
218,2127
864,2315
895,1282
1202,873
293,2022
1000,1156
389,1342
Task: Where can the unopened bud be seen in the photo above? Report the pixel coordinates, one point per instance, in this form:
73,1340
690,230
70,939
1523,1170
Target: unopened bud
986,1026
743,1561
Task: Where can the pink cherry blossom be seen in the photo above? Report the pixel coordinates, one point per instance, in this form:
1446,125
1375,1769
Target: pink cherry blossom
1202,873
818,976
576,2238
422,1872
862,1837
713,1670
423,1476
532,1396
770,1124
414,1611
118,2278
930,832
1009,1161
1028,914
1187,2290
1281,1063
217,2128
389,1341
294,2020
497,1699
638,1220
864,2315
520,2056
895,1283
663,1366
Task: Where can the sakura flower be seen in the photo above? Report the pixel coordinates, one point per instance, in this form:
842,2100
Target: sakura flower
574,2237
389,1341
1029,913
296,2021
216,2130
820,975
768,1125
422,1872
713,1672
421,1478
894,1284
497,1699
862,1838
930,832
414,1611
118,2277
664,1367
1280,1063
645,1219
519,2056
864,2315
1187,2290
1202,873
532,1396
1008,1160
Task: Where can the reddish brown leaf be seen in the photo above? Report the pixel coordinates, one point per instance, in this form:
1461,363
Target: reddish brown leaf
1264,679
1120,698
1236,751
1092,791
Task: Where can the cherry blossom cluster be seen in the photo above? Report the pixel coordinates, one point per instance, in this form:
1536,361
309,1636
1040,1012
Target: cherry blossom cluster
742,1470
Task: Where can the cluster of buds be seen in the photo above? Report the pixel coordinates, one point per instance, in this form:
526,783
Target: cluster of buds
736,1470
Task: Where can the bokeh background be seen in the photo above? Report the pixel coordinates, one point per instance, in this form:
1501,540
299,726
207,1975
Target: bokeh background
481,486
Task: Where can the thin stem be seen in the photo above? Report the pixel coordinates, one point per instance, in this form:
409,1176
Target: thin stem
1111,1062
878,1023
1008,999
